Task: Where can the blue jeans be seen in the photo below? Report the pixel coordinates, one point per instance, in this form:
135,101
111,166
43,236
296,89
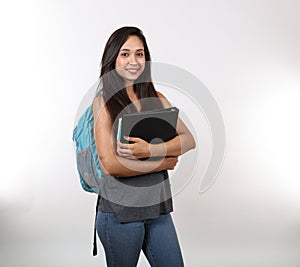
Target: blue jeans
123,242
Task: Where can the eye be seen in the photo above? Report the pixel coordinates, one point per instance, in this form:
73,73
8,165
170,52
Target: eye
141,54
124,54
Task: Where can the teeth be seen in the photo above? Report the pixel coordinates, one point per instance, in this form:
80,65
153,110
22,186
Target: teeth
132,71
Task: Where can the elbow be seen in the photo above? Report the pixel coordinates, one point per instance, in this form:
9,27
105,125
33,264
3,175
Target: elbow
187,144
193,143
190,146
108,166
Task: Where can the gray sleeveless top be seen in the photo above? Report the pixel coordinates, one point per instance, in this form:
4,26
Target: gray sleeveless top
136,198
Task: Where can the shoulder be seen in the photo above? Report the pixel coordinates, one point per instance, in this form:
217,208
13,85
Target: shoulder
164,100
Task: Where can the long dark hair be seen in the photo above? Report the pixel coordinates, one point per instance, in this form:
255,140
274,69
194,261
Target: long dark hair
113,86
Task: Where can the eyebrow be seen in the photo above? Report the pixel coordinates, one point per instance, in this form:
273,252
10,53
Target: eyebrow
126,49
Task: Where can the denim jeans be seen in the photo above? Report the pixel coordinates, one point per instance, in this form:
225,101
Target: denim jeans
123,242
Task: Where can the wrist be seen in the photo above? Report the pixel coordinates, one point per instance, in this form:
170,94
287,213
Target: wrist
158,150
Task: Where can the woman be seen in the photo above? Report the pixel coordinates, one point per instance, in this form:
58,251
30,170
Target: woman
128,222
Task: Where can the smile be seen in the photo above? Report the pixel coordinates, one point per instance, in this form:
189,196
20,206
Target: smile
133,71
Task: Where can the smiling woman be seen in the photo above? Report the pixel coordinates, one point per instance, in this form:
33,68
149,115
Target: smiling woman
126,222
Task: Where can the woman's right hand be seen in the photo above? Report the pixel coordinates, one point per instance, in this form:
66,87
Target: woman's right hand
169,163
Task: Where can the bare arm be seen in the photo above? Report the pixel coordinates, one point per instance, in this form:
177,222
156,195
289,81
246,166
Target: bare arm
177,146
110,162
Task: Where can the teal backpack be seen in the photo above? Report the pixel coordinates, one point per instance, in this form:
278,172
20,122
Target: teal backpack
88,165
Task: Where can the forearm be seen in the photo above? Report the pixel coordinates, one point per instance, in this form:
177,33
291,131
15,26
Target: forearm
124,167
174,147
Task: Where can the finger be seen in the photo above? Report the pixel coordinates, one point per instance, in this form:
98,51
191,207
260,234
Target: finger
124,151
130,157
125,146
127,156
132,139
120,150
122,145
124,155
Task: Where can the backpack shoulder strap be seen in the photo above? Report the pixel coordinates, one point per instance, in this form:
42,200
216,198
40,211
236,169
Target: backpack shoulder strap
95,230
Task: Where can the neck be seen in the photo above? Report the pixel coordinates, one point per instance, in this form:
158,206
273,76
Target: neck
130,91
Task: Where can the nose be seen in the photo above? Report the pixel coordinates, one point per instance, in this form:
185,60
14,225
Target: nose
132,59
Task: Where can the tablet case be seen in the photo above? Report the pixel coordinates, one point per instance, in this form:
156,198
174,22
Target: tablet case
154,126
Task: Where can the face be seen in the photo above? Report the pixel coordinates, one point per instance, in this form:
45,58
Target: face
130,62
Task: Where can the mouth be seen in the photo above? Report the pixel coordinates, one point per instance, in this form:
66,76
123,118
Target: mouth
132,71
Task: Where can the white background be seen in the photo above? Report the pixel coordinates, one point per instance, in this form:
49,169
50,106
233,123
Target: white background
246,52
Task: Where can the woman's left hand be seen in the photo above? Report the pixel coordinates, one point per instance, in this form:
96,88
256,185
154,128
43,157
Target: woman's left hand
138,149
